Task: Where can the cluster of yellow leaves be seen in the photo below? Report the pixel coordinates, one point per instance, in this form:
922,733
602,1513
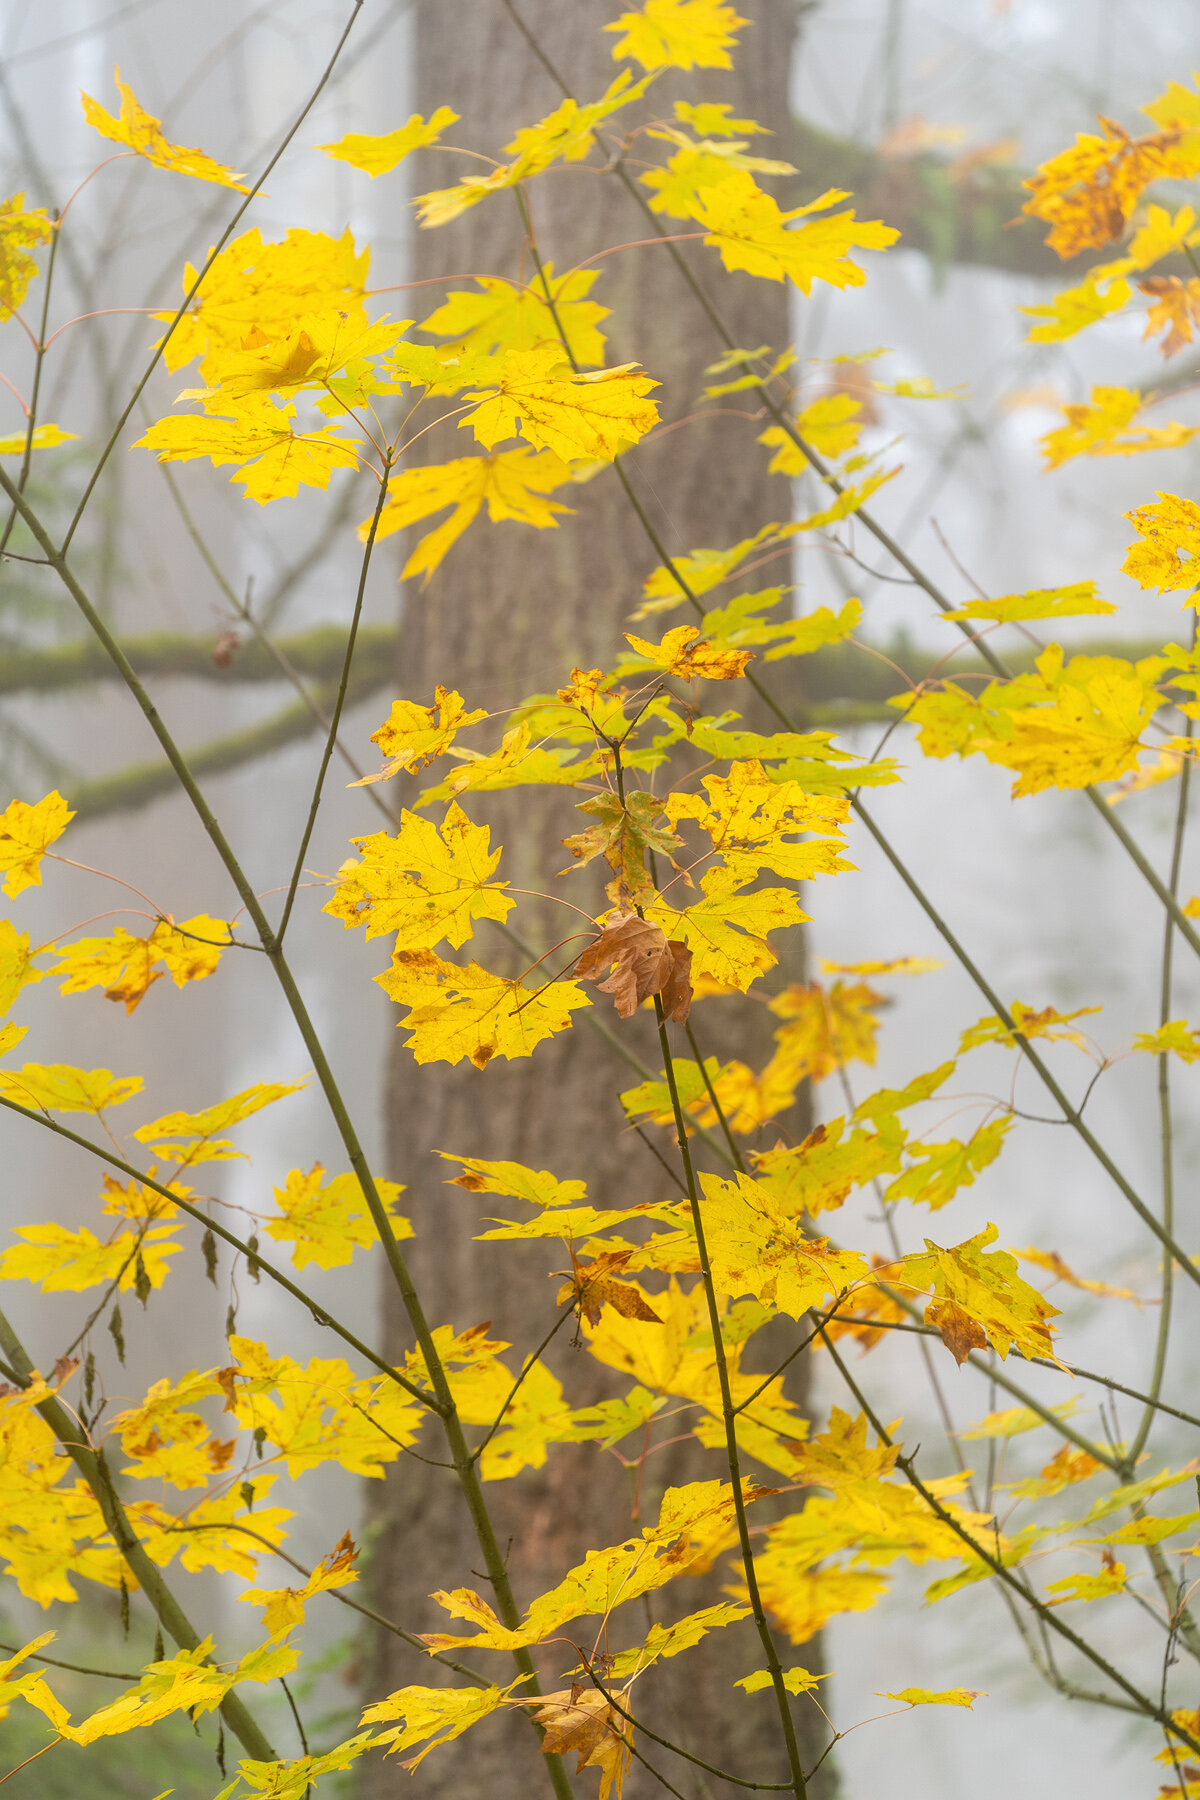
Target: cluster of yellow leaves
1087,193
1065,724
1105,426
1167,554
1161,234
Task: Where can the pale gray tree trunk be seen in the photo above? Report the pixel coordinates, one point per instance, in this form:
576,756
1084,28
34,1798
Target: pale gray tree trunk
509,613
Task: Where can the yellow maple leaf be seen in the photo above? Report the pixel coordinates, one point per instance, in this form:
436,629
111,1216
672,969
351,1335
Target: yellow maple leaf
320,1411
827,1027
505,314
413,734
751,817
1075,308
593,415
1028,1022
284,1607
692,168
430,1716
1175,1038
1036,603
747,227
26,833
818,1174
326,1221
17,968
44,438
726,930
376,155
196,1134
266,287
123,965
1105,426
756,1247
937,1171
685,653
274,461
19,231
513,484
987,1290
944,1697
425,882
678,34
59,1087
466,1012
143,133
65,1261
1168,555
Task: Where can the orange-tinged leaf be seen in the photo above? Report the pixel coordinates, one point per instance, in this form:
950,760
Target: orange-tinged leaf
827,1027
143,133
583,1720
1086,193
678,34
459,1013
376,155
425,882
26,833
1175,310
685,653
1052,1261
284,1607
59,1087
1027,1023
977,1294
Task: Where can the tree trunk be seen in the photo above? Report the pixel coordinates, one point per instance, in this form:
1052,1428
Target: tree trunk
510,613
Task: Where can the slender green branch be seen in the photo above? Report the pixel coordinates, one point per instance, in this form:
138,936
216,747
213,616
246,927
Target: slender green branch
92,1467
766,1637
331,736
1166,1134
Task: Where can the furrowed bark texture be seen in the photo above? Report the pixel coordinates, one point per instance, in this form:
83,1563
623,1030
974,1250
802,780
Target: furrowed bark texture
509,613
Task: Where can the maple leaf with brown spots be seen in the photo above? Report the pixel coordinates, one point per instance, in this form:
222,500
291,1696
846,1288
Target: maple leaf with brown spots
594,1285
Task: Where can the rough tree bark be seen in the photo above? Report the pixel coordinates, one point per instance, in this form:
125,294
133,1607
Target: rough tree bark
510,613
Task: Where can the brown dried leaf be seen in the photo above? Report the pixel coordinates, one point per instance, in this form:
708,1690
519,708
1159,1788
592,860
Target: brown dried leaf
584,1721
646,963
